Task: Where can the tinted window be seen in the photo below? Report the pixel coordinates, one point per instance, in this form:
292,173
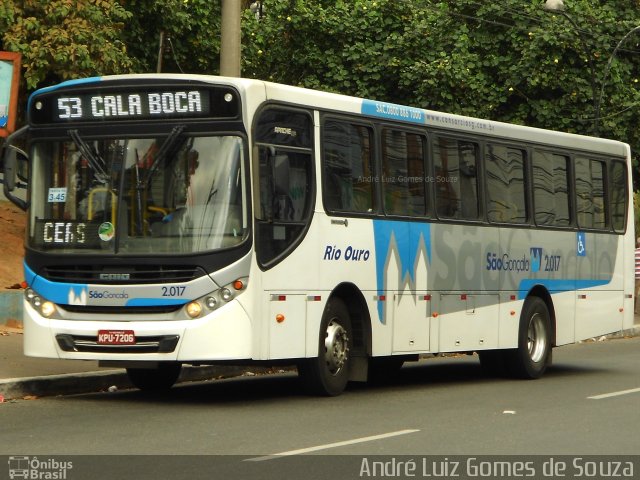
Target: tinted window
505,184
551,189
403,177
590,193
348,169
284,127
619,195
456,180
284,179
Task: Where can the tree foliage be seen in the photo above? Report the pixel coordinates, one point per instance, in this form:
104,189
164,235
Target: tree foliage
63,39
509,60
191,29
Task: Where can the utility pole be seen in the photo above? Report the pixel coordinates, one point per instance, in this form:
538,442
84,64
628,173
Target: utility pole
230,38
160,52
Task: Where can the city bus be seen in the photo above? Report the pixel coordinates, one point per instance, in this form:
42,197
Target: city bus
200,220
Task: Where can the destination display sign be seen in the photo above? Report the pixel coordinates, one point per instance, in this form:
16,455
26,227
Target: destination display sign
163,102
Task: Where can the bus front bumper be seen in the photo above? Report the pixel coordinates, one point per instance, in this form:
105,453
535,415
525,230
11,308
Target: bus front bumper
224,334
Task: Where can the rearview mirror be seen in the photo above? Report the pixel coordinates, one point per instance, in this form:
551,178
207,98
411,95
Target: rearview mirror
16,167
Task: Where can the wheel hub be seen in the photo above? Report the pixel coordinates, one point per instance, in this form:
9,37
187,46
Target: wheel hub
536,338
336,345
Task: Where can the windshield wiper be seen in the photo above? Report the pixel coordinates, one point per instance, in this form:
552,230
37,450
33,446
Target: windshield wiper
94,159
141,184
162,152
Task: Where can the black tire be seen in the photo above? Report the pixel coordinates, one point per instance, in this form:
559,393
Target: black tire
328,373
158,379
533,355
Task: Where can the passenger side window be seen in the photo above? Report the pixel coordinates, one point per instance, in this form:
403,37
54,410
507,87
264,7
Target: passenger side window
505,167
403,176
456,178
551,189
590,192
619,195
348,172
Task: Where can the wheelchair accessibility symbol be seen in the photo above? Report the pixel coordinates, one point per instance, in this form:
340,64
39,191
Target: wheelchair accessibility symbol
581,247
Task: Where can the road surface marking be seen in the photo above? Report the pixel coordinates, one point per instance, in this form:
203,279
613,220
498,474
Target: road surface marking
331,445
614,394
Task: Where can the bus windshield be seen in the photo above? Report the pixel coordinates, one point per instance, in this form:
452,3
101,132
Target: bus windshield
175,194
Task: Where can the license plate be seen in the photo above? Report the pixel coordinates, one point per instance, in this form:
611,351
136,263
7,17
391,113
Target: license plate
116,337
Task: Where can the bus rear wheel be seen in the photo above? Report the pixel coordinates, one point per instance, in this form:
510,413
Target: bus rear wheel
158,379
328,373
531,358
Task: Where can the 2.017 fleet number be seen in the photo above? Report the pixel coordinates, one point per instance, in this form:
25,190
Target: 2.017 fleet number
551,263
173,291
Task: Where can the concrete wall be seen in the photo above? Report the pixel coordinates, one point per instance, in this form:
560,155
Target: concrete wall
11,308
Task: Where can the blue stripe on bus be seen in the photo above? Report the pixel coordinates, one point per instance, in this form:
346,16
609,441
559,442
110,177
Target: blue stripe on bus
67,83
558,286
29,275
62,293
78,293
155,302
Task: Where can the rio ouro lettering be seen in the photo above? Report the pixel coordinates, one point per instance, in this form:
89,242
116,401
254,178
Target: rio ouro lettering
349,254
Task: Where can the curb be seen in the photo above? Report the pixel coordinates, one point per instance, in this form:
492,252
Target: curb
88,382
628,333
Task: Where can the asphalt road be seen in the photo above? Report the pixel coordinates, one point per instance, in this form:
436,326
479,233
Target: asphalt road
588,403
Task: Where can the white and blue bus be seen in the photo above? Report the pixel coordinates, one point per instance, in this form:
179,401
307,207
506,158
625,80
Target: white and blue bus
179,219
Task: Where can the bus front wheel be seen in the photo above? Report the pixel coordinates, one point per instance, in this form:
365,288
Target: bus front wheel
157,379
531,358
328,373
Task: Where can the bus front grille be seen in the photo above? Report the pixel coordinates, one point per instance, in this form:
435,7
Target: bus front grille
89,344
110,275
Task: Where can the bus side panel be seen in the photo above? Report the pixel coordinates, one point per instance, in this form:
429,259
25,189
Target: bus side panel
287,316
599,308
466,287
564,305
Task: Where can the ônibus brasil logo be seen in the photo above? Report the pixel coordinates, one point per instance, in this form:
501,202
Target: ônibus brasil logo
34,468
507,263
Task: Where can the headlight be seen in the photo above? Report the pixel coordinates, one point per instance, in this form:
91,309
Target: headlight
194,309
47,309
216,299
44,307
